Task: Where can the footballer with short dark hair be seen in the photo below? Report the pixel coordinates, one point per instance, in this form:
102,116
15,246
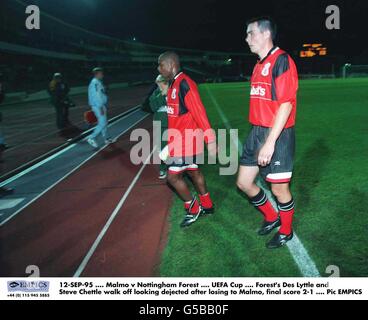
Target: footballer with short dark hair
186,112
269,147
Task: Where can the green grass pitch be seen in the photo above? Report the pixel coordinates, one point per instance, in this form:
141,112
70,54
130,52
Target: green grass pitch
330,187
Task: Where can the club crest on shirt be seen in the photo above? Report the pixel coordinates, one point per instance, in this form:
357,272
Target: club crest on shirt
266,69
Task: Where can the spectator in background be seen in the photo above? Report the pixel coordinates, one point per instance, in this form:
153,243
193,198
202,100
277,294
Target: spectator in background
3,191
58,90
97,99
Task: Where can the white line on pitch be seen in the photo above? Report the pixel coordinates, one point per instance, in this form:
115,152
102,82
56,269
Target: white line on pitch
299,253
68,174
92,250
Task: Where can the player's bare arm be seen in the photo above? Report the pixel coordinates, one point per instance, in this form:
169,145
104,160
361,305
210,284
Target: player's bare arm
266,152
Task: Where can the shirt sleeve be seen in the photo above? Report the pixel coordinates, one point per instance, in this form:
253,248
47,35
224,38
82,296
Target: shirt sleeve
195,106
156,100
285,77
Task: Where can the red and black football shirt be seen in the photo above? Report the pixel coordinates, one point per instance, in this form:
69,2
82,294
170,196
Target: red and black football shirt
186,114
274,81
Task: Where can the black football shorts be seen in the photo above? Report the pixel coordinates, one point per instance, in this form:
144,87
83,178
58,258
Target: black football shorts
281,167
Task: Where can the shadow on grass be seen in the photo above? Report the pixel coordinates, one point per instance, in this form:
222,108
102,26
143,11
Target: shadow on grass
309,169
346,236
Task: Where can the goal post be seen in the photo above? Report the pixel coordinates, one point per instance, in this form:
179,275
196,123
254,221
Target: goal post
354,70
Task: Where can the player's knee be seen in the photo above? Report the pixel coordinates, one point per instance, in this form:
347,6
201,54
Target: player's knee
244,185
173,178
194,174
280,190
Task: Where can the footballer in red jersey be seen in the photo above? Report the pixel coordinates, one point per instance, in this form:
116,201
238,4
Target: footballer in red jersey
188,126
269,147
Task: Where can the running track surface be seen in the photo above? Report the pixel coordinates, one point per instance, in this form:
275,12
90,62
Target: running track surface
58,229
30,128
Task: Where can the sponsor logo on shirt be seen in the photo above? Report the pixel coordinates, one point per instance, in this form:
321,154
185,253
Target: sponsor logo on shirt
258,91
170,110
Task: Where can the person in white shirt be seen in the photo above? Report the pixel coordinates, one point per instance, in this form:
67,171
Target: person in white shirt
97,99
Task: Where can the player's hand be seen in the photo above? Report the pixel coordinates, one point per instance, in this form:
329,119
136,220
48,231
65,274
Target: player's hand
265,154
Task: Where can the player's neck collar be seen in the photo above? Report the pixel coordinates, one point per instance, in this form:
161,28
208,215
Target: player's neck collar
178,74
272,51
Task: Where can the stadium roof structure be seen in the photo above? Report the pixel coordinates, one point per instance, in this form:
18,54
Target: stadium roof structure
54,27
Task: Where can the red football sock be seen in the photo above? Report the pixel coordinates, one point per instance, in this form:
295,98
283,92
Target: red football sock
261,202
205,200
187,204
192,206
268,211
286,215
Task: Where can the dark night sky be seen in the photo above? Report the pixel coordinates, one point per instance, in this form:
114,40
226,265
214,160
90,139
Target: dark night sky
218,25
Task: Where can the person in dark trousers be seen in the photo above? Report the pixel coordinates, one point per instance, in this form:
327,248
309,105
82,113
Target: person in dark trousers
3,190
58,90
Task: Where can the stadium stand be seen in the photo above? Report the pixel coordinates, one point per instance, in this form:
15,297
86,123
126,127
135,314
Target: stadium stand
30,58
